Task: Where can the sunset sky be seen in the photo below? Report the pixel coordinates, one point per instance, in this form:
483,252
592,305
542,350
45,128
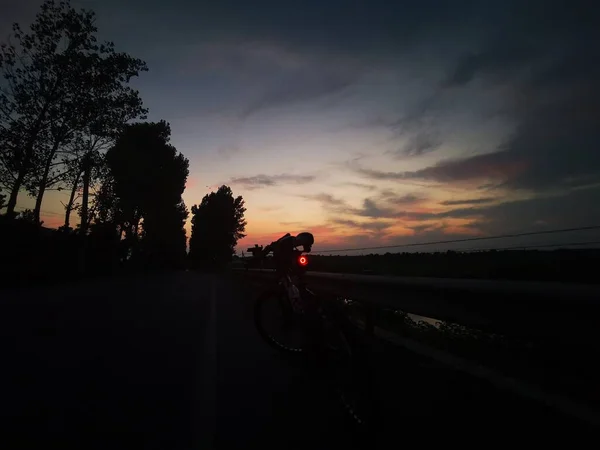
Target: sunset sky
372,122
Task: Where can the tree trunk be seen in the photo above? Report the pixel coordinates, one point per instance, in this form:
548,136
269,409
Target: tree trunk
16,187
14,193
12,202
43,182
86,194
69,206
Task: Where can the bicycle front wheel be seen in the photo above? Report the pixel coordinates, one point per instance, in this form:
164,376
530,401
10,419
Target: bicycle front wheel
278,323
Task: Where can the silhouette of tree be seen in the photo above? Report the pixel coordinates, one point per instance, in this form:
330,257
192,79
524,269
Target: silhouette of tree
141,195
28,216
36,71
60,84
217,224
106,202
111,104
7,151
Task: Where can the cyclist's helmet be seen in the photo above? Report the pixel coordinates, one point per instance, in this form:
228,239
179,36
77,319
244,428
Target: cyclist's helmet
306,240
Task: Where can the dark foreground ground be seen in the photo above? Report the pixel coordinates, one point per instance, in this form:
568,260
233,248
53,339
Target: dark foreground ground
173,362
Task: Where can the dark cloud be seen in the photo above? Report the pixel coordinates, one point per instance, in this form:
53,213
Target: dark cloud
322,47
380,175
571,210
393,198
548,67
327,200
421,236
471,201
498,166
368,187
498,61
418,128
549,151
346,223
420,229
302,85
370,28
560,138
372,226
521,40
552,70
299,51
261,181
419,140
574,209
370,207
522,164
421,143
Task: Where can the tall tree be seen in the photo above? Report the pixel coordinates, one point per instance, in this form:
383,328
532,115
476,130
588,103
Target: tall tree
111,105
217,224
35,72
58,82
147,179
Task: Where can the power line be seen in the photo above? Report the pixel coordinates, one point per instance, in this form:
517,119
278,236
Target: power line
452,241
524,247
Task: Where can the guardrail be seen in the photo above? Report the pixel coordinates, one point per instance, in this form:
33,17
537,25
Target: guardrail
541,339
560,311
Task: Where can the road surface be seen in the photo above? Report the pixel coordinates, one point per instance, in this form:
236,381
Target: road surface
172,361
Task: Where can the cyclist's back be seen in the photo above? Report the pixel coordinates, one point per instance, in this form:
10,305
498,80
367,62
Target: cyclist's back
287,243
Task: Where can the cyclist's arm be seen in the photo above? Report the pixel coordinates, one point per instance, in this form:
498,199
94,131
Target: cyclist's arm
271,247
268,249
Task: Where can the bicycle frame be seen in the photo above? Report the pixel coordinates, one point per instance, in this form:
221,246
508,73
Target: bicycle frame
329,339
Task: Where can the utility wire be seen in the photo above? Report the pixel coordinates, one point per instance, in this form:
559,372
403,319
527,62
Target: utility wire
452,241
525,247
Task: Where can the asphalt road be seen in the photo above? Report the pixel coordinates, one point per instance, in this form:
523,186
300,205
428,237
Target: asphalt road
172,361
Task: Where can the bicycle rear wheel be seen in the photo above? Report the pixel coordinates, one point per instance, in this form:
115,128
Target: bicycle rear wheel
349,376
278,324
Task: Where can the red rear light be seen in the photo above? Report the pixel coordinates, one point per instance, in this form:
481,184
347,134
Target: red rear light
303,260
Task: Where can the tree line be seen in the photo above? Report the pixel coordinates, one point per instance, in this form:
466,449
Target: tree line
71,121
565,265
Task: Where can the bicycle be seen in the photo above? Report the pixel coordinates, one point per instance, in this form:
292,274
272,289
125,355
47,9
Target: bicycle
315,327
